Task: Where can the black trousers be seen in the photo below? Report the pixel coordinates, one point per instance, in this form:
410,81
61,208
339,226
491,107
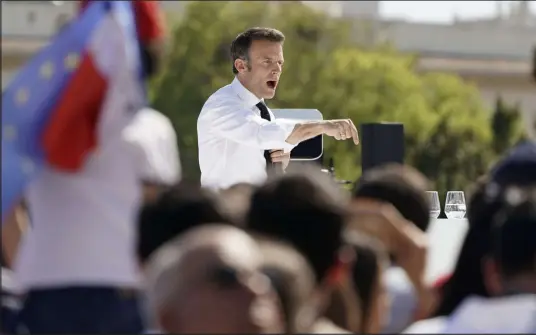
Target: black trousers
81,310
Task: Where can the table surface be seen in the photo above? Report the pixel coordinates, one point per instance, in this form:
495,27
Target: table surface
445,240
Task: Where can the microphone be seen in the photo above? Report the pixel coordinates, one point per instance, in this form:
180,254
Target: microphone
276,168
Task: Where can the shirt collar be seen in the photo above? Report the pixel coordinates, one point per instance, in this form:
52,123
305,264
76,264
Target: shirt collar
244,94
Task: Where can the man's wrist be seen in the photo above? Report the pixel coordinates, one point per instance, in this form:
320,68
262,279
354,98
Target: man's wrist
306,130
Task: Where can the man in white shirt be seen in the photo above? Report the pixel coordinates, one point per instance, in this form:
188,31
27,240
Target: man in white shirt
238,135
77,263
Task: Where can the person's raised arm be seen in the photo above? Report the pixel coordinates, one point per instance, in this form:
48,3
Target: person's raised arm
231,120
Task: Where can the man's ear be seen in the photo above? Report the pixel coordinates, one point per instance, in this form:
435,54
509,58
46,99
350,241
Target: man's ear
492,277
241,65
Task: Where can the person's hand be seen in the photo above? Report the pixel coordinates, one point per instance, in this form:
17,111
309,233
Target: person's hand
342,130
279,156
402,238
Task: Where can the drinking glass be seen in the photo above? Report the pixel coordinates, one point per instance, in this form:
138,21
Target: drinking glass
433,202
455,205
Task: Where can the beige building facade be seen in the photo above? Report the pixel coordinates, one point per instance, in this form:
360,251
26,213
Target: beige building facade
509,79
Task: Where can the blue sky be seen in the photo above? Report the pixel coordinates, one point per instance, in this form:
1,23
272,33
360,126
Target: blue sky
442,11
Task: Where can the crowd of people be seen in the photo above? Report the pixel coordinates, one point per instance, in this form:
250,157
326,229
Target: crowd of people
299,254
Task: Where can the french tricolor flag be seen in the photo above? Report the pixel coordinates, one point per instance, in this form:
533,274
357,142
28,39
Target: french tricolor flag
75,95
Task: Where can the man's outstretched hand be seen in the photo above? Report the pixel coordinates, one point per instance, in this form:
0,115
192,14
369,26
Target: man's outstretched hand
342,130
339,129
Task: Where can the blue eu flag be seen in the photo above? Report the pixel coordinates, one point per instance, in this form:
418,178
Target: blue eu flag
30,101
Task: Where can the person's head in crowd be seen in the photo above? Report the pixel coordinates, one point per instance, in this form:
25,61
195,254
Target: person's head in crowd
307,210
293,280
517,167
257,56
511,268
367,278
235,201
477,198
401,186
209,281
176,210
468,277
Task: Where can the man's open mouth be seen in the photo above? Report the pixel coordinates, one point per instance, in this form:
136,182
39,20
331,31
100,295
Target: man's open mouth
271,83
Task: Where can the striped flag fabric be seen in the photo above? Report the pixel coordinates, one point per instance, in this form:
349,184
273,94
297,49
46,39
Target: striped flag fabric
72,97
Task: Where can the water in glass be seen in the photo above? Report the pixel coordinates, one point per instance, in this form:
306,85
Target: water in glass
455,205
435,206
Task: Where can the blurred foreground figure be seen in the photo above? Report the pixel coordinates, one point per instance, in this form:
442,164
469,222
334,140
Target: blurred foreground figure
208,281
402,188
502,298
307,210
77,264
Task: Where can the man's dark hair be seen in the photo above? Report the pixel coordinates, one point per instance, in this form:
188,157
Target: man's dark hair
175,211
513,237
242,42
306,209
400,185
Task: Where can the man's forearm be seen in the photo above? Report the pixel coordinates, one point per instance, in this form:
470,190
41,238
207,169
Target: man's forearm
305,131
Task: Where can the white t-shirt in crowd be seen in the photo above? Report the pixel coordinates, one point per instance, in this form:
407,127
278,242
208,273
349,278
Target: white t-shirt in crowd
232,138
84,223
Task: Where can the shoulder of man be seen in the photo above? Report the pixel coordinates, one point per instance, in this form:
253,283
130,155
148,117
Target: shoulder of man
222,96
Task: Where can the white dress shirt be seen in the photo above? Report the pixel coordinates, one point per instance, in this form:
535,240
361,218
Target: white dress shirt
232,138
83,230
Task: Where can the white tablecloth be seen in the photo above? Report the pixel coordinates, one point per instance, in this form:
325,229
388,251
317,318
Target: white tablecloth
445,237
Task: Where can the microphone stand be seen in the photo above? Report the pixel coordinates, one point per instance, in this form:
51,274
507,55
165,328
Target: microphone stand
331,171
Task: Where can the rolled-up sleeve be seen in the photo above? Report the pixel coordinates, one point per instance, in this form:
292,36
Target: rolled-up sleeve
231,120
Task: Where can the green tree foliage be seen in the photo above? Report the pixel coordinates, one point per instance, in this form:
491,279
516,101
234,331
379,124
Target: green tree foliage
448,133
507,126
